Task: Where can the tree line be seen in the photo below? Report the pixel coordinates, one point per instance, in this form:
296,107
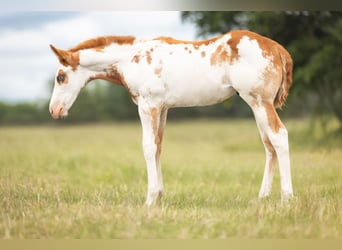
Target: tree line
104,102
313,39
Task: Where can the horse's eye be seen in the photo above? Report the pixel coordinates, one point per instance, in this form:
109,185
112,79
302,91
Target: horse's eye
60,78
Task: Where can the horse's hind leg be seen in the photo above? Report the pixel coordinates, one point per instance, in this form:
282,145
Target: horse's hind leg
275,139
271,160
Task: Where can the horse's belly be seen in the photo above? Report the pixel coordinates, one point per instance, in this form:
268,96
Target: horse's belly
196,93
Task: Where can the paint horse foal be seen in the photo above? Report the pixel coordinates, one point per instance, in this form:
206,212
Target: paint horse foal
163,73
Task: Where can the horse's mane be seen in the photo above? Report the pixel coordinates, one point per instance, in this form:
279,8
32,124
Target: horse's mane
103,41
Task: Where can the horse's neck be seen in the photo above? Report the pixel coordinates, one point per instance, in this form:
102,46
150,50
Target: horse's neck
99,60
107,64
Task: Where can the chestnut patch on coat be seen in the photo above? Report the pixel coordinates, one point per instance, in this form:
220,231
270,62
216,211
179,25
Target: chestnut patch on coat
62,77
195,44
158,70
155,115
102,42
67,58
233,42
269,146
273,119
112,75
148,57
136,59
219,56
267,45
262,98
74,60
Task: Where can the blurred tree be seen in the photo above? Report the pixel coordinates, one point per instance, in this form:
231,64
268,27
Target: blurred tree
21,113
314,40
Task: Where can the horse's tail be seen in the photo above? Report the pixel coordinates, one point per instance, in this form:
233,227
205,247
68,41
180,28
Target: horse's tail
286,80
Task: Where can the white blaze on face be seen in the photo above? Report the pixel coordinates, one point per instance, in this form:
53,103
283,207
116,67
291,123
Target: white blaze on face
68,84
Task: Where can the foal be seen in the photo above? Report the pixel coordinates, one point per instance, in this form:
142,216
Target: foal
164,73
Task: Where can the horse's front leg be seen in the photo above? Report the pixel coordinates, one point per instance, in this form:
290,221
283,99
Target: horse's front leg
162,123
150,120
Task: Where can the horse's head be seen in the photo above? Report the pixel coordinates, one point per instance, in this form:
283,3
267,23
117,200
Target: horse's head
70,78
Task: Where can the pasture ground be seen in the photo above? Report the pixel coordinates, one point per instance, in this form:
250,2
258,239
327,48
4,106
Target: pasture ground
90,182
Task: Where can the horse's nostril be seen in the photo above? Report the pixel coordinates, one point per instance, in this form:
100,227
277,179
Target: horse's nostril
60,112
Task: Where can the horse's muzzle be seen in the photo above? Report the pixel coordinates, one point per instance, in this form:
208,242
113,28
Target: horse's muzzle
58,110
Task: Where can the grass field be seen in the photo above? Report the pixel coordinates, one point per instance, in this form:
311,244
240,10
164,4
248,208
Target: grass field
90,182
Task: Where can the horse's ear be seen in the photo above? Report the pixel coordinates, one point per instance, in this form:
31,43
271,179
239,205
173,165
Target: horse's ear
66,58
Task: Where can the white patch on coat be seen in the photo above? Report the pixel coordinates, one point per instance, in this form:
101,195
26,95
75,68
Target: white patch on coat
247,72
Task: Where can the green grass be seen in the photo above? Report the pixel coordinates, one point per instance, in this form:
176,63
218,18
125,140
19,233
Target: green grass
90,182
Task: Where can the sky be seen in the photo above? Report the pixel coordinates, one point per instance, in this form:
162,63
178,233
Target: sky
26,61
